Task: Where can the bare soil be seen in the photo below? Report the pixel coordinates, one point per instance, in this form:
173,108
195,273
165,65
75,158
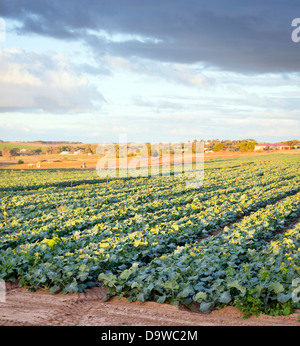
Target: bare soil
40,308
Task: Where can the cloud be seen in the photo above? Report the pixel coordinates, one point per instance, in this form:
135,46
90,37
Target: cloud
30,81
246,37
176,73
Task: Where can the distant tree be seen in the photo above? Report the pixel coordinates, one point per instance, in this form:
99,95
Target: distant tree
88,150
38,151
15,151
251,146
34,151
245,147
7,152
292,142
218,147
50,150
70,149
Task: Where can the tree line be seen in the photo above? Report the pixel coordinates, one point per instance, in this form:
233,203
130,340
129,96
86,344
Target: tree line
215,145
84,149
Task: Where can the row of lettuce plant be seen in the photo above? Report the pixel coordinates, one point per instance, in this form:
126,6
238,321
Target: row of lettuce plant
35,217
238,266
54,262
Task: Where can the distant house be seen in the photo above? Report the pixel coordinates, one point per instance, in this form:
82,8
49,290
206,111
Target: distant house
271,146
64,153
77,152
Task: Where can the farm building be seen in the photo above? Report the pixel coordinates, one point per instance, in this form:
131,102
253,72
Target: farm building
271,146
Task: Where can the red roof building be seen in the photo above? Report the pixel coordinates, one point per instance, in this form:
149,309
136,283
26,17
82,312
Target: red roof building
272,146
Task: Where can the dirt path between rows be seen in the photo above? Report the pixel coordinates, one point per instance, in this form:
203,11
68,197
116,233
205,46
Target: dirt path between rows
23,308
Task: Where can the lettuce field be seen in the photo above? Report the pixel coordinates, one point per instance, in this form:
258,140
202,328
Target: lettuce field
233,241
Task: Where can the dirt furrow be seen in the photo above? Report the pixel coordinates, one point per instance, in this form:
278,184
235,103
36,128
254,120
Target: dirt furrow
24,308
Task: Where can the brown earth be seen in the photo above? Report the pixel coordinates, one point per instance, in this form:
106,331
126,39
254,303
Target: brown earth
24,308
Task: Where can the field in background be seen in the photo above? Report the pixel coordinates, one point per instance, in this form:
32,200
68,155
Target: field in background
54,161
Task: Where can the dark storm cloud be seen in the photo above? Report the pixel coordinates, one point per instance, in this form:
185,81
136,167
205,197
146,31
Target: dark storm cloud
243,36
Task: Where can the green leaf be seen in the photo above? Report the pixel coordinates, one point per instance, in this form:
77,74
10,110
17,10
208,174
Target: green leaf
277,287
161,299
175,302
43,279
283,298
83,268
141,297
125,274
259,289
83,276
136,285
188,291
171,285
205,307
54,289
72,288
108,279
200,296
106,298
225,297
236,285
53,275
132,299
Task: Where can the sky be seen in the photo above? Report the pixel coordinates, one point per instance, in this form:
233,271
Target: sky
155,71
